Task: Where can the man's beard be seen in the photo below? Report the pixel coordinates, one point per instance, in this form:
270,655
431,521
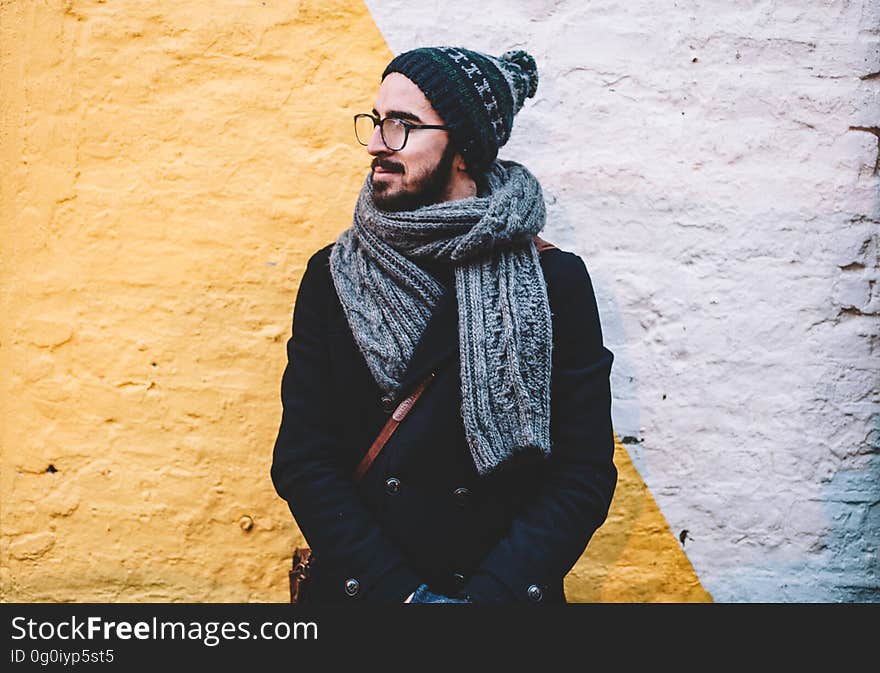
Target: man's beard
429,188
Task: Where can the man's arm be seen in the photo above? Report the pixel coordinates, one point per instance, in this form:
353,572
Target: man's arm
553,528
306,471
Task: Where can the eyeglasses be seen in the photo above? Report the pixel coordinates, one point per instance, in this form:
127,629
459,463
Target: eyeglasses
394,132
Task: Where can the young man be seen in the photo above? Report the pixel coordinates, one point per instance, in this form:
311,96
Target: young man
491,487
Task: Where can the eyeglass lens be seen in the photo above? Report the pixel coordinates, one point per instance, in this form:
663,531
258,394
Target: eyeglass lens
393,132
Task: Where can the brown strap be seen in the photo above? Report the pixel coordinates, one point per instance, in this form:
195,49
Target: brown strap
299,574
542,245
399,414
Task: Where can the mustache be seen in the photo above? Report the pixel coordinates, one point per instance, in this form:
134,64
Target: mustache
387,165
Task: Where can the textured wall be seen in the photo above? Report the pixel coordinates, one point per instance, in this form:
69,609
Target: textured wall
167,169
716,165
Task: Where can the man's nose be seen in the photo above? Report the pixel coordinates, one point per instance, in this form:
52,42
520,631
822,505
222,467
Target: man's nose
376,147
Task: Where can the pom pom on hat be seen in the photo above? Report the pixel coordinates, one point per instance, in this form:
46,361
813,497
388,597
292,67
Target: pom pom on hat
527,64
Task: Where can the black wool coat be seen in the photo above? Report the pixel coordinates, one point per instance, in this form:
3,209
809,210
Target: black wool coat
422,513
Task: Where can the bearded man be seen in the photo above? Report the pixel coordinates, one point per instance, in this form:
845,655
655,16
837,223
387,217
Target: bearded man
443,334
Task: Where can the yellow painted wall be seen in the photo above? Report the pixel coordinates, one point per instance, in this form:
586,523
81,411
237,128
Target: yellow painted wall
634,557
167,169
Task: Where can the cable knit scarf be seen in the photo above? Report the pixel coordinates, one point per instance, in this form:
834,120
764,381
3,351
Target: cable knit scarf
505,339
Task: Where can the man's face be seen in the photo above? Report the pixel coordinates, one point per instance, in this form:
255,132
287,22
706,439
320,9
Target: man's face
420,173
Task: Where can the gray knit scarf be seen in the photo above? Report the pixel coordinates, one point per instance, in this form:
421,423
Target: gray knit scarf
505,338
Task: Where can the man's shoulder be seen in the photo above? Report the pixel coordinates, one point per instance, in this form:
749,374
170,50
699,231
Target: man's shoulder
321,258
561,267
316,280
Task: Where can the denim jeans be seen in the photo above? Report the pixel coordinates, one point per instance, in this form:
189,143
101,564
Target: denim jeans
424,595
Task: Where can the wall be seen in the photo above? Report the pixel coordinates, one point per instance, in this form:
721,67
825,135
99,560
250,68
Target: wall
168,168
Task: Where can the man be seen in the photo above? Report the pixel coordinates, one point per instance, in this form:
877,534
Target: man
490,488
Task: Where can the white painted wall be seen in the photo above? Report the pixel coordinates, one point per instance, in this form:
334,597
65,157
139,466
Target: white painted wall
699,156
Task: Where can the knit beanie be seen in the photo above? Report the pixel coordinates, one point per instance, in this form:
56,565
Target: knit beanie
477,95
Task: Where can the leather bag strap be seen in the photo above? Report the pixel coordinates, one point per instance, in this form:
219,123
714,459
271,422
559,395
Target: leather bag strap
390,426
542,245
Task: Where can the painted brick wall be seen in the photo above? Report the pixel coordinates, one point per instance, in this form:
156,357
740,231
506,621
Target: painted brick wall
167,169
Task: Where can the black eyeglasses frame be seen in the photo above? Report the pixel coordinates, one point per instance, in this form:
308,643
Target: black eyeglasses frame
407,127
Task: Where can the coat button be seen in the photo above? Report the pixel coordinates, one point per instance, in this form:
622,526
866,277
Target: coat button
392,485
535,593
458,578
388,403
462,496
352,586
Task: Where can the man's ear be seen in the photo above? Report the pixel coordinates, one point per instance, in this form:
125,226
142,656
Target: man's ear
458,163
